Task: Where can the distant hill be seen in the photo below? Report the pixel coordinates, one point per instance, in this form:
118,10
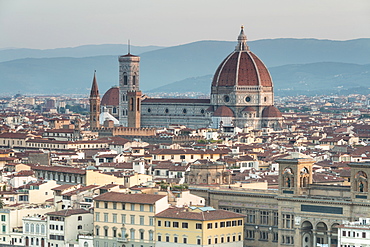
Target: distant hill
80,51
309,79
162,66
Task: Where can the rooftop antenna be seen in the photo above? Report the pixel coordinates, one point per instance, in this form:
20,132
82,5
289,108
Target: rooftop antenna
128,47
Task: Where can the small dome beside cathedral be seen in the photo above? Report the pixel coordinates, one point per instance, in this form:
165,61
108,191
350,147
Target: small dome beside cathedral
271,112
223,111
111,97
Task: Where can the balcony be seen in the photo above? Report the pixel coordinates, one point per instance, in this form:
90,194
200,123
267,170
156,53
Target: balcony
122,240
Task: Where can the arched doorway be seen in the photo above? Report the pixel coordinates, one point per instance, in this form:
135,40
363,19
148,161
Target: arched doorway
321,233
306,233
27,241
333,235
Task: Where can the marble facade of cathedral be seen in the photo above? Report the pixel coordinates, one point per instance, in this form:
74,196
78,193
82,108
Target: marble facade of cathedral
242,95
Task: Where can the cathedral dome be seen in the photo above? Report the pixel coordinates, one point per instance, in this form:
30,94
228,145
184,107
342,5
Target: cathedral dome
249,109
223,111
271,112
242,68
111,97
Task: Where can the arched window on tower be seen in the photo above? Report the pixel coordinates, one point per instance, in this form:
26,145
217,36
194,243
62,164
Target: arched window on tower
288,178
138,105
125,79
134,80
361,182
304,177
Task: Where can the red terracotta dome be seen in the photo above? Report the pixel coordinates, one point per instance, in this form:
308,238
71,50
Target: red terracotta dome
223,111
111,97
271,111
249,109
242,68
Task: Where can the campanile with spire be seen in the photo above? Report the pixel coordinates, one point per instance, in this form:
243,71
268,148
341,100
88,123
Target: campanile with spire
94,104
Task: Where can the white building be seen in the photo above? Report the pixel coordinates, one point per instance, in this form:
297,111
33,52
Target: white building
354,234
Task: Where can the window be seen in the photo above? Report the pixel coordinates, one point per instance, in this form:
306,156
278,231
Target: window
198,226
216,240
290,239
159,238
142,235
97,204
105,232
209,241
209,226
275,237
222,239
123,218
364,235
79,218
114,232
114,218
79,227
185,240
343,233
123,206
240,222
264,236
251,216
276,219
159,223
167,238
216,225
3,217
105,217
264,217
288,221
132,207
105,204
222,224
249,234
175,224
27,226
167,223
132,234
97,231
234,238
141,220
233,223
132,219
198,241
151,235
150,208
151,221
141,207
175,239
228,223
114,205
184,225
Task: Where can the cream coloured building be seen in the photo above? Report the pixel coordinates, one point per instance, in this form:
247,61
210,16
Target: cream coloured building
126,219
199,226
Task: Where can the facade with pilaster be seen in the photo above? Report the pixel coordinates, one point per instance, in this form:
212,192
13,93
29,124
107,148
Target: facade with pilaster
299,212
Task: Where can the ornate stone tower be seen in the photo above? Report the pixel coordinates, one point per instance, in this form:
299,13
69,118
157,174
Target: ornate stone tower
134,108
94,105
128,81
295,175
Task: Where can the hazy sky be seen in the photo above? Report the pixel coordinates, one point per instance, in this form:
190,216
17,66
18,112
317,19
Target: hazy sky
45,24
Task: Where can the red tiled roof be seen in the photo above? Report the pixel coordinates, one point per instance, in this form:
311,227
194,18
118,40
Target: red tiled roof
242,68
223,111
111,97
183,213
68,212
130,198
60,169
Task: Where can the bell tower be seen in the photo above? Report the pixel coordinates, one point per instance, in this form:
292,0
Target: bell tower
295,175
94,104
128,81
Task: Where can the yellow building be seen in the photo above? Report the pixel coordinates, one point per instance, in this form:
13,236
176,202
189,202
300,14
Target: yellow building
199,226
126,219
